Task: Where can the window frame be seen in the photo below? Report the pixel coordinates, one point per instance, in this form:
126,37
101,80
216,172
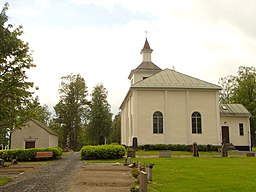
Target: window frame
158,127
196,122
241,129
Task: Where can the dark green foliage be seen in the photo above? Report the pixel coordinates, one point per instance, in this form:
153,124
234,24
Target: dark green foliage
135,188
102,152
100,117
241,89
17,101
28,154
71,110
178,147
135,173
115,135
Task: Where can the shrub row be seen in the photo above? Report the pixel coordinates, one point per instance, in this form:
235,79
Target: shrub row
178,147
28,154
102,152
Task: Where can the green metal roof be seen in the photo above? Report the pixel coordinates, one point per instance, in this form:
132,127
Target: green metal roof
233,110
172,79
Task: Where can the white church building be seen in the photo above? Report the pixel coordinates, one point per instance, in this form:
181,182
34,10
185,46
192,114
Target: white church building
168,107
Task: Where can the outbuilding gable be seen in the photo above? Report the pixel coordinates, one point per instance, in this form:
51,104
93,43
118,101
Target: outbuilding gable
33,134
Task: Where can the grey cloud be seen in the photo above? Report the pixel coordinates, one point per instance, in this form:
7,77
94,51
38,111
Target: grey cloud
241,14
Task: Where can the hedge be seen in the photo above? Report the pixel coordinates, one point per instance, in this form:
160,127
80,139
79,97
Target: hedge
28,154
102,152
178,147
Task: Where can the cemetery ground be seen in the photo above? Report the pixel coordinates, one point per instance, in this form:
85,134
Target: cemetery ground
181,172
208,172
67,174
202,174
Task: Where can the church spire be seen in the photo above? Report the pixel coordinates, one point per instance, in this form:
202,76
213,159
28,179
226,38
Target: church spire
146,68
146,52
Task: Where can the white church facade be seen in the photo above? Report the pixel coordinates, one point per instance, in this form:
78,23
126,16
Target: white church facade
168,107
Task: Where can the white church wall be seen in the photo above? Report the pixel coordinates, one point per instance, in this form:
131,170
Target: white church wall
234,135
205,103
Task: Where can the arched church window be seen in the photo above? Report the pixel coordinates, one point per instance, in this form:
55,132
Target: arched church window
196,122
157,122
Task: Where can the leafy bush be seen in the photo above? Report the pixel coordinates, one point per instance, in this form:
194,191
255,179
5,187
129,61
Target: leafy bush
102,152
28,154
135,173
178,147
135,188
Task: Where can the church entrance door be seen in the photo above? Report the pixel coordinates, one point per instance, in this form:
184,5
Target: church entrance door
225,133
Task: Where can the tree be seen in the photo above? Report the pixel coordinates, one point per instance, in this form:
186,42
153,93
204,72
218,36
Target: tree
100,117
37,111
71,110
242,89
16,91
115,135
228,85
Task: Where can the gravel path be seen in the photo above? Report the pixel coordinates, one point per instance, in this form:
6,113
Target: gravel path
54,177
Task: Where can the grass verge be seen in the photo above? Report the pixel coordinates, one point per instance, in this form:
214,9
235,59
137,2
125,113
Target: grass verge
4,181
202,174
209,172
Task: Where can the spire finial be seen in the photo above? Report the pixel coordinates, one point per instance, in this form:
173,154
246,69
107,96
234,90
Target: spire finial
146,32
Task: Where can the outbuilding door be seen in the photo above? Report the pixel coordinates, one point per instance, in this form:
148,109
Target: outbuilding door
225,134
30,144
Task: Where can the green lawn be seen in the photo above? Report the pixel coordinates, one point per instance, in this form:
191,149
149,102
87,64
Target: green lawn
202,174
3,181
209,172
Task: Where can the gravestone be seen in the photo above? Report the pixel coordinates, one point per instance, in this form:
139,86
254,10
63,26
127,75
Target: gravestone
224,149
143,181
149,171
250,154
1,162
14,161
166,153
195,150
129,160
134,143
130,152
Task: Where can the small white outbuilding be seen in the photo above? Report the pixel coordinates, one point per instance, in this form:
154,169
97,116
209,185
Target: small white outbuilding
33,134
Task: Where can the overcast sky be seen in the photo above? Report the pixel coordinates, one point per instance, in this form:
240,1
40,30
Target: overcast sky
102,39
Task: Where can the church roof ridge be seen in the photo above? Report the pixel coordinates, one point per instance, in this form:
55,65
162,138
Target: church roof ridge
169,78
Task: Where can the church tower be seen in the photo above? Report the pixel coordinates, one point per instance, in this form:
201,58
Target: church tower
146,68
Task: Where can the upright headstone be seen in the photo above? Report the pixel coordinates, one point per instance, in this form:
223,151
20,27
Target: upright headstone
14,161
134,143
143,181
224,149
195,150
149,171
129,160
1,162
130,152
139,165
